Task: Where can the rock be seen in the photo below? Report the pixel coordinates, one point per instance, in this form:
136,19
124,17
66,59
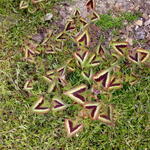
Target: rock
147,22
139,22
39,37
48,17
140,33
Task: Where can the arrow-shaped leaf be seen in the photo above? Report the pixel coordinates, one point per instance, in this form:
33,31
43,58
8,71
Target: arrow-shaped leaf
94,109
77,13
92,61
100,51
120,47
75,93
103,77
140,56
62,36
113,84
70,26
107,118
71,129
38,108
58,104
94,16
23,4
81,57
50,75
143,55
83,22
83,38
90,5
87,75
28,85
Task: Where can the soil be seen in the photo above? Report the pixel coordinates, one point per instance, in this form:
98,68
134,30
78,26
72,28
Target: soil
140,30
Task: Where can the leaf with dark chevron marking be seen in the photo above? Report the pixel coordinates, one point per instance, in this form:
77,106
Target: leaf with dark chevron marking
59,45
143,54
70,26
50,75
81,57
108,118
100,51
58,104
61,76
29,53
50,50
75,93
114,84
62,36
72,130
38,108
92,61
140,56
77,13
87,75
83,38
23,4
56,77
103,77
83,22
90,5
94,16
94,109
131,79
120,47
28,85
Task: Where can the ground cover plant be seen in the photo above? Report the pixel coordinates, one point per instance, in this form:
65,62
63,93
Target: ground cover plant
63,84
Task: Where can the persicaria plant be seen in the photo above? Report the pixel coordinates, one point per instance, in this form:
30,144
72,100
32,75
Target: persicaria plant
101,71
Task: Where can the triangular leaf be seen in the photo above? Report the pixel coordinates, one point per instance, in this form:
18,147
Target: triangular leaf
94,16
28,85
120,47
81,57
76,92
38,108
71,129
62,36
83,38
143,55
113,84
103,77
90,5
70,26
87,75
107,118
58,104
77,13
23,4
94,109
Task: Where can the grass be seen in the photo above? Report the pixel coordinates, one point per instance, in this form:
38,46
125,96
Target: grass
106,21
20,129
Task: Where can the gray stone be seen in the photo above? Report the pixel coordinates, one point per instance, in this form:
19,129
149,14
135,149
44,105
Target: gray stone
140,33
147,22
48,16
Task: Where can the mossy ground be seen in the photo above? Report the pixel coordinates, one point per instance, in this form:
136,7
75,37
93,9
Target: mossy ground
20,129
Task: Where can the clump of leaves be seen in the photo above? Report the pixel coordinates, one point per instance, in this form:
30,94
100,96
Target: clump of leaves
101,71
31,5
